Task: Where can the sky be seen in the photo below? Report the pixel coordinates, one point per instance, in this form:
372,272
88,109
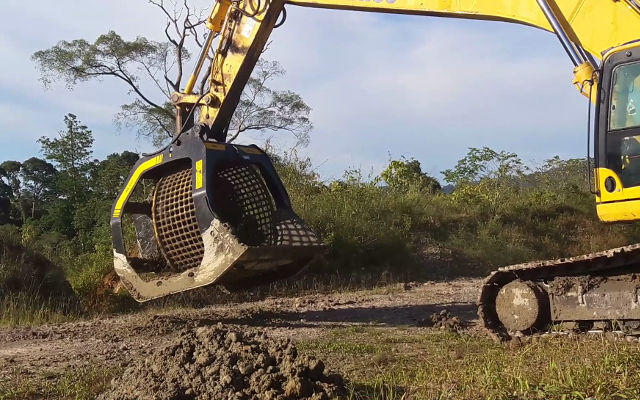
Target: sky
380,86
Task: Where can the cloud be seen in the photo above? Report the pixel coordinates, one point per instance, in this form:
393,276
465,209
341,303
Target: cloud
30,111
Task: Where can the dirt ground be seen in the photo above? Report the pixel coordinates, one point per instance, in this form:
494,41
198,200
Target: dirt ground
42,352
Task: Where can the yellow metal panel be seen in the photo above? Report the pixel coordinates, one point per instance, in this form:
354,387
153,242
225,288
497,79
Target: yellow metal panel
133,181
199,174
583,76
599,24
243,38
249,150
215,146
215,22
629,46
620,194
620,211
621,205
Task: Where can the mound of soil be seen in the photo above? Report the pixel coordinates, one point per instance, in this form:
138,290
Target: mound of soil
442,320
221,363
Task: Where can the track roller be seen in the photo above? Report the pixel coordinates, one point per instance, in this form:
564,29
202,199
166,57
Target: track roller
522,306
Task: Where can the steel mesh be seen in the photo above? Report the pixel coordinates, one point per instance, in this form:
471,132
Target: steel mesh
244,201
294,232
241,199
176,226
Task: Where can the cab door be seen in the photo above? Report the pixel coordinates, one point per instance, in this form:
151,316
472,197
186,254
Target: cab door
617,141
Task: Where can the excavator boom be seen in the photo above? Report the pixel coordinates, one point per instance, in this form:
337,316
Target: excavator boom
596,26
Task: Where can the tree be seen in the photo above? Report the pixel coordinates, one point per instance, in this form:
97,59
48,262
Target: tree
484,163
153,70
91,218
5,199
25,184
406,174
39,181
10,173
10,178
562,173
264,109
5,210
108,175
72,149
5,189
71,152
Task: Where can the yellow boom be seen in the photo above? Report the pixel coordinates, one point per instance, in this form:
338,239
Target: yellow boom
596,25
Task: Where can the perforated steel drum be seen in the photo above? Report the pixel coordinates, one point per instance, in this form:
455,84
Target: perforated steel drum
175,223
241,200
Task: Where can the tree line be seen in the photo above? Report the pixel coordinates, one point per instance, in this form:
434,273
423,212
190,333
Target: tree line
67,190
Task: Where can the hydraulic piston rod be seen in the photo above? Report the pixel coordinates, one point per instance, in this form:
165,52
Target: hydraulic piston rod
570,47
583,62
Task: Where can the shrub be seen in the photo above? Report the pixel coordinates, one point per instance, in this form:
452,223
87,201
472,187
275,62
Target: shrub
30,283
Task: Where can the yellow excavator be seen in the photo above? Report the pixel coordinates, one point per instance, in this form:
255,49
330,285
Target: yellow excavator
205,211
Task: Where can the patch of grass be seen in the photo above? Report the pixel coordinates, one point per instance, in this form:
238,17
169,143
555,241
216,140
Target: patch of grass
74,383
33,290
345,347
424,364
25,308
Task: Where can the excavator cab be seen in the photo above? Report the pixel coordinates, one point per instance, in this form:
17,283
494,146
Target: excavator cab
618,136
202,212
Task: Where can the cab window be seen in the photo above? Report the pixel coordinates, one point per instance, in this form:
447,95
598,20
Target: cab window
625,97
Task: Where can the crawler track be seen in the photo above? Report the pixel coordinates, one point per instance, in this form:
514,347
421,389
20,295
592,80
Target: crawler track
581,276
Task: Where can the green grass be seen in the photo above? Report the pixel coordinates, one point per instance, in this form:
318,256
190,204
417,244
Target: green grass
415,364
28,309
33,290
73,383
384,363
374,235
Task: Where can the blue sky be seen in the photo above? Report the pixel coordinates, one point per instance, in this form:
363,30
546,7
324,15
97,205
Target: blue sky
379,85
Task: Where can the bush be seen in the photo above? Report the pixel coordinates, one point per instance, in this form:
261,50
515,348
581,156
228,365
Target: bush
23,270
31,286
504,217
499,213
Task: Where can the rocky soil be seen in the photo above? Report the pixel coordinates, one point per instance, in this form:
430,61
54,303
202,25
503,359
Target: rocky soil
220,363
231,350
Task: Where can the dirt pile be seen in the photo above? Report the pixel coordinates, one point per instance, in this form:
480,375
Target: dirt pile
442,320
221,363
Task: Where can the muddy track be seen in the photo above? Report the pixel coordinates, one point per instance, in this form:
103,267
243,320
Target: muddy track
119,341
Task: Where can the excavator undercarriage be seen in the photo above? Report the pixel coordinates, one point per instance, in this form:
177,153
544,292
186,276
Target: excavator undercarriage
597,291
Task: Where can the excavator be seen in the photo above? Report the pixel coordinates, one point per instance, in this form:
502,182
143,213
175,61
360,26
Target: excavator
203,211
